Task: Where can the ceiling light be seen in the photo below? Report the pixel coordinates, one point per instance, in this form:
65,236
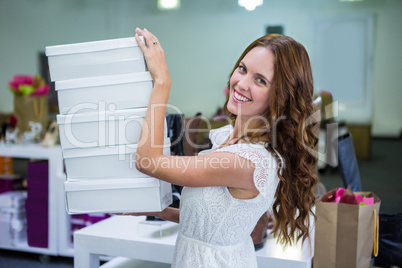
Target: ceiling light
168,4
250,5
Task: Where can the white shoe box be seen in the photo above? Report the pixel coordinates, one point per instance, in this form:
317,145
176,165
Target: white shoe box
101,128
104,162
93,59
13,199
124,91
13,223
117,195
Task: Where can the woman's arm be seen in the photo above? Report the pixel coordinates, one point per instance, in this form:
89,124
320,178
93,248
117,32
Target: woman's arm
169,214
215,169
151,140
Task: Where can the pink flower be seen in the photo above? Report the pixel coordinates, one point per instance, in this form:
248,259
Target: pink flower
27,85
42,91
20,80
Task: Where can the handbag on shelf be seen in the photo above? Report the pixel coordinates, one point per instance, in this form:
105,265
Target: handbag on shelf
260,231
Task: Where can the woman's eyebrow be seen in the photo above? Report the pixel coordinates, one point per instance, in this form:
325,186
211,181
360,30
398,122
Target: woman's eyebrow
263,77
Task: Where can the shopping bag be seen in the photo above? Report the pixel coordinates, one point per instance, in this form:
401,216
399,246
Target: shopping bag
30,109
345,234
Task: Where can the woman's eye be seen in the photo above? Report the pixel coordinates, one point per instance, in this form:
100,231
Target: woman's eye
242,69
261,81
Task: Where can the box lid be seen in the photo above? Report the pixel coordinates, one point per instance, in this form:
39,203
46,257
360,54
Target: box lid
109,150
13,199
99,115
91,46
112,184
103,80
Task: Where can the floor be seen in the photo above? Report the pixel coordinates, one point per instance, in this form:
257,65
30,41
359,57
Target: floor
381,175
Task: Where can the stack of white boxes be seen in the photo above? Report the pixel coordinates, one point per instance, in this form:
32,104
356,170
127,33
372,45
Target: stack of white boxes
13,222
103,91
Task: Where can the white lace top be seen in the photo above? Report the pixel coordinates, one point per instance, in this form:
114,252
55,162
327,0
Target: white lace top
215,227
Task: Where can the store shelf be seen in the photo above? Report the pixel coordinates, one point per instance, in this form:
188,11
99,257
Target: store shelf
23,246
59,221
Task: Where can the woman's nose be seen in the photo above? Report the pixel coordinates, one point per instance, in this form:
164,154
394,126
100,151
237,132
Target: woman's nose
244,83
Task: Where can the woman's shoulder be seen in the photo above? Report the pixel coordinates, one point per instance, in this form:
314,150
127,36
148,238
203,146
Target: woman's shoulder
219,136
256,152
249,150
264,163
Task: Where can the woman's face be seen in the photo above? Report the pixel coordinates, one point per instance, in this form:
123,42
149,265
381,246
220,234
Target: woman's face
250,84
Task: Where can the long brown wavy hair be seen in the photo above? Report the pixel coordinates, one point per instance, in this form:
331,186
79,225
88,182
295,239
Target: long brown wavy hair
289,109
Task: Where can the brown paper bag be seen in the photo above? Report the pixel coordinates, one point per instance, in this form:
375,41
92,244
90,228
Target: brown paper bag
344,233
28,109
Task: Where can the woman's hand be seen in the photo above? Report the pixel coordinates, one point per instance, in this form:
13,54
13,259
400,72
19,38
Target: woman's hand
155,214
155,57
169,214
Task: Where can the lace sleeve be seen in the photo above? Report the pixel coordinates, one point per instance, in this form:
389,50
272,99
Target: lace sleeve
265,172
219,136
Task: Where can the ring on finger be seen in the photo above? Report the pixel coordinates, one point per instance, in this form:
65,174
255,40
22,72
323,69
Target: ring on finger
155,43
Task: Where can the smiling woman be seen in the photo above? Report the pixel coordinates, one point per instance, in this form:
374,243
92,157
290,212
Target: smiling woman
259,162
250,84
282,125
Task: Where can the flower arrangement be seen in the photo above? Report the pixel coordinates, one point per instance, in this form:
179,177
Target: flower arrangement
26,85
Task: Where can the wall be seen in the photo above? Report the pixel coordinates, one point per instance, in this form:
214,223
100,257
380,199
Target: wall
202,41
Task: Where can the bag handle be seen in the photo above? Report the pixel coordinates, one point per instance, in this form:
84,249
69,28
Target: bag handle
39,111
376,230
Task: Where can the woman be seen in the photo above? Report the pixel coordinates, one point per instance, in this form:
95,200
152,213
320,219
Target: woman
259,162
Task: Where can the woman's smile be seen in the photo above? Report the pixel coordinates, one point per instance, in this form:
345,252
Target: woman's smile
239,98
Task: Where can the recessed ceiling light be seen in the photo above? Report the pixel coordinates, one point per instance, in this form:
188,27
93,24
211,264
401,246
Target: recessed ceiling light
250,5
168,4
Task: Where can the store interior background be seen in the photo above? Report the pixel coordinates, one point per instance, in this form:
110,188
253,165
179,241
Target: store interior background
202,41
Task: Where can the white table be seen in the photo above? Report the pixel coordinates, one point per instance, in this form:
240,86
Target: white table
128,237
